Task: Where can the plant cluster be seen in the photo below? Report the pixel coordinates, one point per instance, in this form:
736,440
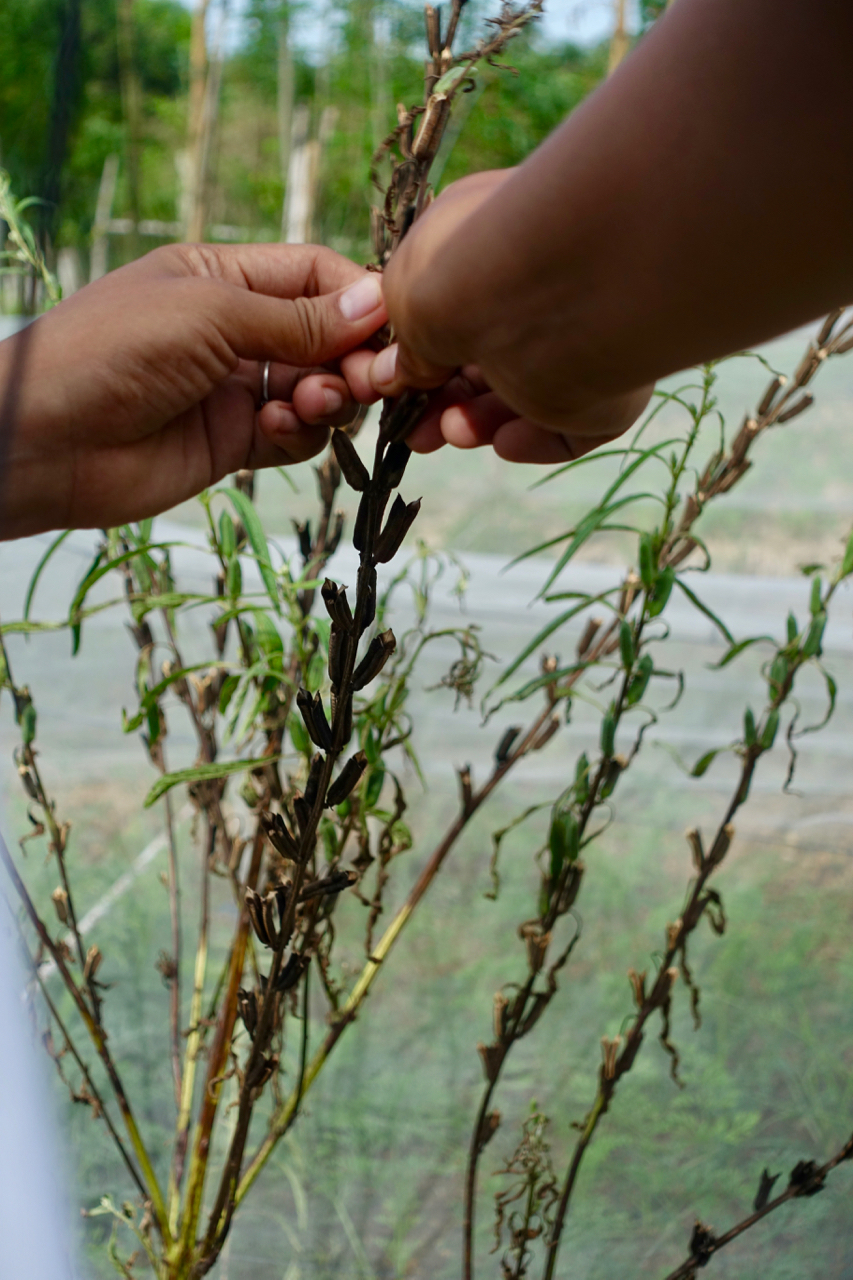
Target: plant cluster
303,702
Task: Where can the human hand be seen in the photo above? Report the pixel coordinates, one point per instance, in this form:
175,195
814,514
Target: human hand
145,387
540,419
466,413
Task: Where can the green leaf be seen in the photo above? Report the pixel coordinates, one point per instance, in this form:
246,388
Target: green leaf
608,734
792,628
626,644
750,733
582,778
28,724
541,636
739,648
31,589
768,733
316,672
847,563
814,636
658,597
639,684
373,787
563,841
229,684
451,78
203,773
648,568
227,536
708,612
590,524
299,734
704,762
245,509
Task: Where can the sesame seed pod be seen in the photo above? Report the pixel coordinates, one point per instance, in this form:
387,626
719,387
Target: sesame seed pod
313,782
337,604
398,524
646,565
801,405
394,464
547,733
749,730
359,532
844,347
379,651
339,643
589,633
370,605
254,907
505,744
353,469
582,778
816,603
302,809
268,907
315,719
303,533
247,1007
334,537
768,397
348,778
278,835
403,417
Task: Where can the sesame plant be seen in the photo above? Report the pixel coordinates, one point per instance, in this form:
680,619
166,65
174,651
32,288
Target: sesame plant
299,712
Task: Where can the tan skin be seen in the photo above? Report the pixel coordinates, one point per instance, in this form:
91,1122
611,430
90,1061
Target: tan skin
699,202
144,388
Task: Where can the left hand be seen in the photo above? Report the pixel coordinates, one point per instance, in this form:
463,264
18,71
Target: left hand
146,387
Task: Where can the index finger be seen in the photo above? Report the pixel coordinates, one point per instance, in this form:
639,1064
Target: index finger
277,270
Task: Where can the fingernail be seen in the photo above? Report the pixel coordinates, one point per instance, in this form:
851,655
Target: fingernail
384,366
332,401
360,299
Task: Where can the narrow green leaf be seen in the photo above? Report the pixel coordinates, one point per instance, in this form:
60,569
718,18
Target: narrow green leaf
708,612
31,589
203,773
704,762
245,509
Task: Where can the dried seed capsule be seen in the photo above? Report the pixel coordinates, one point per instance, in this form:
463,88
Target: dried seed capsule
551,727
801,405
303,533
247,1007
370,604
302,809
346,779
254,905
315,719
359,533
394,464
589,633
334,536
339,643
345,732
292,971
354,471
337,604
378,652
59,898
398,524
335,883
505,744
279,836
768,397
694,839
268,910
313,783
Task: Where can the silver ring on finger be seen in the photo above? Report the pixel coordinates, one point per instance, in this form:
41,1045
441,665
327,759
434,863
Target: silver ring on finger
265,384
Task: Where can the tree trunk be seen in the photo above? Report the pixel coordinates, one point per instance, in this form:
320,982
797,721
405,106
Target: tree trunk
131,95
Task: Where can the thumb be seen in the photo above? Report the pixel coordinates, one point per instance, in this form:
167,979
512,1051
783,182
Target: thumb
302,331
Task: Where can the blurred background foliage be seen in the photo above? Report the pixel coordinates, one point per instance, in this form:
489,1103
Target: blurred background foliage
358,57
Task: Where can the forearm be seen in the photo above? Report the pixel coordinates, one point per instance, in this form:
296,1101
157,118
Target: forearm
700,201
